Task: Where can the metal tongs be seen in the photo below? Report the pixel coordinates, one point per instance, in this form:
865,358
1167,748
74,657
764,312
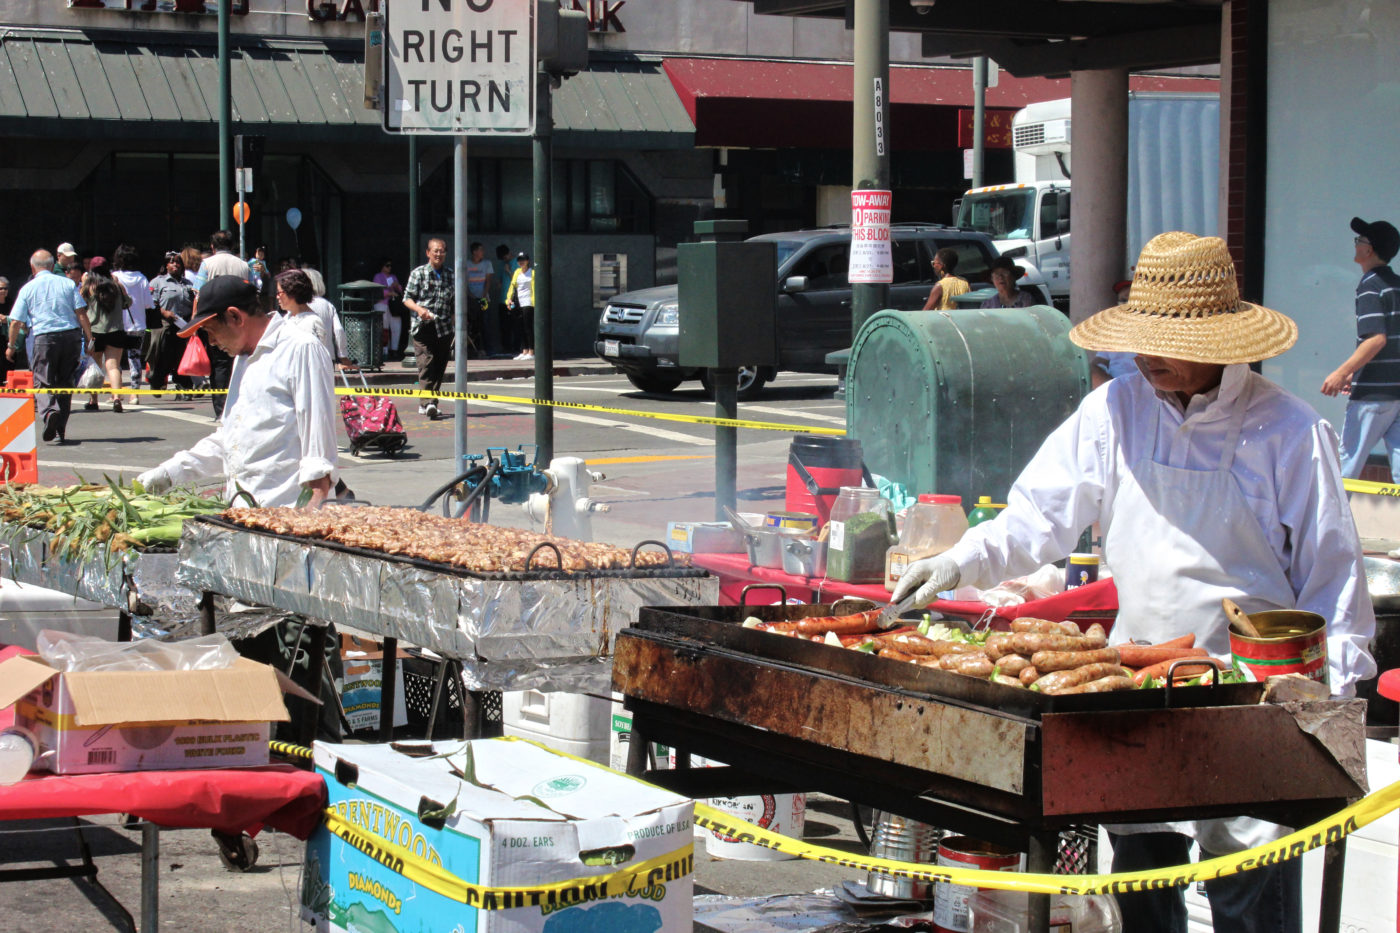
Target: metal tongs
891,613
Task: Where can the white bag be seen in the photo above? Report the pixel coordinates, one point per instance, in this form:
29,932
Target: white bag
92,376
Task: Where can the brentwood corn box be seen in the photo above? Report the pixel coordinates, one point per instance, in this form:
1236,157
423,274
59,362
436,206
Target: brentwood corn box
494,813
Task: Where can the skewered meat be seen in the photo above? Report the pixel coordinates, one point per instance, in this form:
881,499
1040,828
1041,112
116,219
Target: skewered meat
410,533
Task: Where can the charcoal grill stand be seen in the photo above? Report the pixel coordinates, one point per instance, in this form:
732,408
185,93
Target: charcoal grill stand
935,747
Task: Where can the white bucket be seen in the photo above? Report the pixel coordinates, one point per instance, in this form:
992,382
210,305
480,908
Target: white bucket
784,814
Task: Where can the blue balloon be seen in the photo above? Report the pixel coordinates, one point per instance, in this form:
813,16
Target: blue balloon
293,217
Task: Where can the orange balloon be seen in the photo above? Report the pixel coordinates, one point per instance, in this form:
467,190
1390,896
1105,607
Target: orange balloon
241,212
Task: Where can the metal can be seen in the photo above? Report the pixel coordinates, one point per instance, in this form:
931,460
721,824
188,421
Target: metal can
950,900
805,522
1081,569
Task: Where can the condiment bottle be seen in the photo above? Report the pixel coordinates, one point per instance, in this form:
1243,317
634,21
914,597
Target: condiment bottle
861,530
933,525
985,511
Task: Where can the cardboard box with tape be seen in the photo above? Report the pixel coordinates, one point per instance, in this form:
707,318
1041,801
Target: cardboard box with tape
95,721
494,813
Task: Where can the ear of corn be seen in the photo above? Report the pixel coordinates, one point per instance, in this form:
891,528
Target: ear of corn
99,521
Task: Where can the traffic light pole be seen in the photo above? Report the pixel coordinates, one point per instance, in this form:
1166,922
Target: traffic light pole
225,120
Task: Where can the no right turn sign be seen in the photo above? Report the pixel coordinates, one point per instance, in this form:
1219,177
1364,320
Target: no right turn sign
460,67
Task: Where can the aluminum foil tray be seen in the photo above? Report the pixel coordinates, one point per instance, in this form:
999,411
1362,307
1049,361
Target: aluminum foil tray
555,633
142,584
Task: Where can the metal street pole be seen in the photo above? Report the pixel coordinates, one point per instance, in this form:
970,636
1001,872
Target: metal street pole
459,301
870,160
225,120
414,251
979,117
543,152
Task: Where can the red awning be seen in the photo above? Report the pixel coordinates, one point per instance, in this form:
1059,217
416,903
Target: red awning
770,104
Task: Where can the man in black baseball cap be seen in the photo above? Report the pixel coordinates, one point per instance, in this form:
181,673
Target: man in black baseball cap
1371,375
278,433
221,294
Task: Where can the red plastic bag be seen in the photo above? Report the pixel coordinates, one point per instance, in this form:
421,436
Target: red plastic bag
195,362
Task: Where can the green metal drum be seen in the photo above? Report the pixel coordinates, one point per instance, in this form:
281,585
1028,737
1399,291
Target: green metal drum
959,401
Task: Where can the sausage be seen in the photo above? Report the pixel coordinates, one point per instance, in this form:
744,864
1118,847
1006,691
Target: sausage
1068,660
1040,626
1096,631
1012,664
998,644
1102,685
973,665
1029,643
855,624
920,644
895,655
1147,655
1058,680
1028,675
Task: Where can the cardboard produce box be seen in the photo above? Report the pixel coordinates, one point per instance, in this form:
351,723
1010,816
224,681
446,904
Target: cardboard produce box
362,688
144,720
529,816
705,537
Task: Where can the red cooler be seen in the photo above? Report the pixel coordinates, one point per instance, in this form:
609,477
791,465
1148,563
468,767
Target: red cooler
818,466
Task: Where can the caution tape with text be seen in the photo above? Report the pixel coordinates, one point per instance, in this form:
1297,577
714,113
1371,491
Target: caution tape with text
505,400
680,862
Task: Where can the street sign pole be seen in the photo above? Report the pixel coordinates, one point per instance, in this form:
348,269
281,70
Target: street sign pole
459,301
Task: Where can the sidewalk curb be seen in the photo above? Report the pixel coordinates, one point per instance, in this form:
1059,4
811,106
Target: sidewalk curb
396,373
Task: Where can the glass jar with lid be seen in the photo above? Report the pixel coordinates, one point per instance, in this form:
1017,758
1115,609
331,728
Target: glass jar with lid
860,532
934,524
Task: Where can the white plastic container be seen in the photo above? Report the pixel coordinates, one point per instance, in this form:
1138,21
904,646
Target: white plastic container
784,814
17,750
572,723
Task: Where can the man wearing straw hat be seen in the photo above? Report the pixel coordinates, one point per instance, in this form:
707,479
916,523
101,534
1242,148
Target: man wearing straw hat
1208,481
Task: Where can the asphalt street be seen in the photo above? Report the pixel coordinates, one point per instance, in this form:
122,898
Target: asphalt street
656,471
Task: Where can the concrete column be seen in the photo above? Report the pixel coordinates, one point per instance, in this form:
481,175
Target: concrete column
1099,168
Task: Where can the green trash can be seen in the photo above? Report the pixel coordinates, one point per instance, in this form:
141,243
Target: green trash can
364,326
958,402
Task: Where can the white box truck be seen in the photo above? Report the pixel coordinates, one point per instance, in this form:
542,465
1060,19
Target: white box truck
1173,172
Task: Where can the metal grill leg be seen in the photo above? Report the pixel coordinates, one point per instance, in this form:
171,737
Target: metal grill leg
1041,860
150,877
439,685
388,670
1334,865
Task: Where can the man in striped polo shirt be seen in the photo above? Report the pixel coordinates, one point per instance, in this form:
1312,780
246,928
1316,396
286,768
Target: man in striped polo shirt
1371,375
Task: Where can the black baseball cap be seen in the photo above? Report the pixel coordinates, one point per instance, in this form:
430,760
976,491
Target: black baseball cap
520,256
219,294
1383,236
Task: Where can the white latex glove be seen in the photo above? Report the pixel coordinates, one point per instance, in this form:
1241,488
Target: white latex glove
157,481
931,576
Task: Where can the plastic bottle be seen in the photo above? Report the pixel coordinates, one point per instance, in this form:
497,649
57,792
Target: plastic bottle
860,531
17,750
933,525
984,511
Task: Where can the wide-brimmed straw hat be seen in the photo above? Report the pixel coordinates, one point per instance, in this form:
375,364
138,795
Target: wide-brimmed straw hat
1185,305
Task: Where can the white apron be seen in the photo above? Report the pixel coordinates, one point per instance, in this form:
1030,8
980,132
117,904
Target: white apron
1178,541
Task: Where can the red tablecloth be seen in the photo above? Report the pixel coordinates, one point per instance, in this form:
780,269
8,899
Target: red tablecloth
231,800
1097,600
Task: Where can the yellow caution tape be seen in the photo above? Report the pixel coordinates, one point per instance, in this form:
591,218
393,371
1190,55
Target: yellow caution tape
503,399
679,863
1370,488
1332,829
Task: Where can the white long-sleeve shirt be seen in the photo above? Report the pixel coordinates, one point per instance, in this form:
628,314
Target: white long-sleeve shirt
279,428
1286,466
